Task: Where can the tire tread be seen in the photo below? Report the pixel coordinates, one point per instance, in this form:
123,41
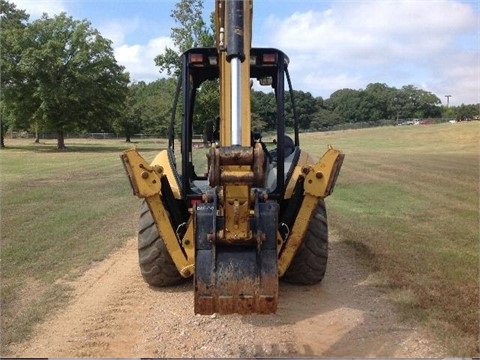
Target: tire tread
309,264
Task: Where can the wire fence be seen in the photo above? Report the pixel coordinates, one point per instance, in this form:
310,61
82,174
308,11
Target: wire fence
100,135
199,137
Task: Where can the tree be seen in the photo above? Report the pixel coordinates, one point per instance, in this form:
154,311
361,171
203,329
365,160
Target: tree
345,103
130,121
12,25
377,102
190,32
467,112
306,107
419,103
381,102
264,109
156,102
207,105
76,80
324,119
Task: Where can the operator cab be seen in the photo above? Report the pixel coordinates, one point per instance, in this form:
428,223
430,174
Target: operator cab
199,67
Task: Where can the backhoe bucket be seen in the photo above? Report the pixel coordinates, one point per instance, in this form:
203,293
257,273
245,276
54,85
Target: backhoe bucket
236,278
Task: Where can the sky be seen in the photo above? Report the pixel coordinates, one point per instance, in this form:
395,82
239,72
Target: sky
332,44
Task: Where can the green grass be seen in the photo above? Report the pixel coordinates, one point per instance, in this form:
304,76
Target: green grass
408,200
60,212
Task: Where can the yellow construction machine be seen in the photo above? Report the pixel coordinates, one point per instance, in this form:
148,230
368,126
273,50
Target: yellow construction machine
256,214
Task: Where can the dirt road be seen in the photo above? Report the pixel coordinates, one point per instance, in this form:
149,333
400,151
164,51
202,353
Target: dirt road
115,314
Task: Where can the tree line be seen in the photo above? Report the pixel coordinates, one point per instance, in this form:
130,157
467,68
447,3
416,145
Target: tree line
60,75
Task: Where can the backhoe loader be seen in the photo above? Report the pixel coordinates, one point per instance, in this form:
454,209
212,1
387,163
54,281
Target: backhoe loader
252,215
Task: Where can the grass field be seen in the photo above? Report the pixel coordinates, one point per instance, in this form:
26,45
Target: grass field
406,199
60,212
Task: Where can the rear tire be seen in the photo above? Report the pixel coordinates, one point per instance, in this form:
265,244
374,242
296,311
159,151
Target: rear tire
310,262
156,264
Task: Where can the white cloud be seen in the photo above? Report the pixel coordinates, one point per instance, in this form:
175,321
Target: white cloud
35,8
332,82
138,59
117,30
459,76
354,43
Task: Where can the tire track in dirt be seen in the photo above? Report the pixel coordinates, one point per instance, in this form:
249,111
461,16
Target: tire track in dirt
113,313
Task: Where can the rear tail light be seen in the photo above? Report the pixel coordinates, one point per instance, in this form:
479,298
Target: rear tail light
269,59
196,59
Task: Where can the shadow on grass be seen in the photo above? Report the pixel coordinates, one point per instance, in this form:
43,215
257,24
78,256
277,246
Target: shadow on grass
82,148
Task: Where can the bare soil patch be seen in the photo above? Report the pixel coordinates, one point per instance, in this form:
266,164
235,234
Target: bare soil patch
115,314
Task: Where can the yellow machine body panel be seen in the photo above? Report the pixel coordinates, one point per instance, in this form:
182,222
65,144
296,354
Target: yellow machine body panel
163,160
320,179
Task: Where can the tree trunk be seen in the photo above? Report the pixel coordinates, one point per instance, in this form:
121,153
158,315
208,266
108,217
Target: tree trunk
37,137
2,141
61,140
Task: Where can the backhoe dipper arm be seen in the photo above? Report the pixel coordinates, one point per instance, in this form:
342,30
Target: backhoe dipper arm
233,35
236,55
